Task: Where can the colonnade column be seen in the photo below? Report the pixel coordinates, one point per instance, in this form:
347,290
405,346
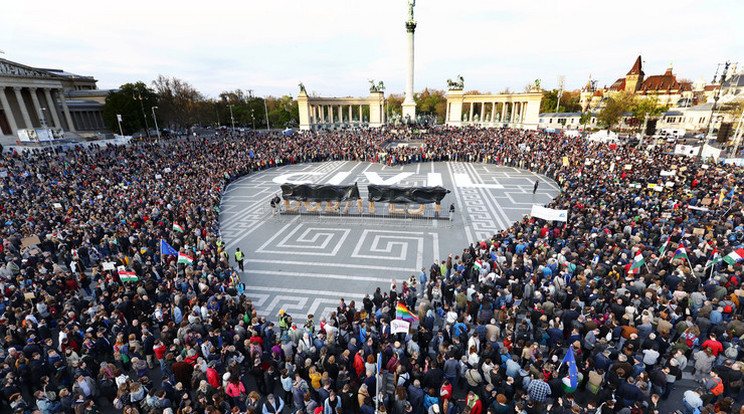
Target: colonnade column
483,112
350,109
52,107
8,112
503,112
360,114
470,119
37,107
22,105
66,110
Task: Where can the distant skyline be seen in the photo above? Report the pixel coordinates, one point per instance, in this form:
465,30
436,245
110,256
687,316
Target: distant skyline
335,46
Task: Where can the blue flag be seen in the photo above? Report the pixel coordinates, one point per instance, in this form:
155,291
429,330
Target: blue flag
166,249
573,370
250,153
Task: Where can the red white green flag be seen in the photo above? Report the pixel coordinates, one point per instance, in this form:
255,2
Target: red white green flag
128,276
178,227
680,253
638,261
735,256
715,258
185,259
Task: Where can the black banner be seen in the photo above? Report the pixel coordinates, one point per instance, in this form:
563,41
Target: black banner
406,195
320,192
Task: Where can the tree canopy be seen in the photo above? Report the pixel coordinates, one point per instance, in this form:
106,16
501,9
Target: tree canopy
126,102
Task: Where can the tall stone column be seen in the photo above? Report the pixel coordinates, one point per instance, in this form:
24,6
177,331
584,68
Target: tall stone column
37,108
68,117
470,117
503,112
360,114
409,105
22,105
483,112
52,104
8,112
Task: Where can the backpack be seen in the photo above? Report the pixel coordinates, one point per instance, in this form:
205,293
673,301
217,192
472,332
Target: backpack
718,389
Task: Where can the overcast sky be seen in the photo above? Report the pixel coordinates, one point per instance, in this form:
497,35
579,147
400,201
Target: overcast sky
335,46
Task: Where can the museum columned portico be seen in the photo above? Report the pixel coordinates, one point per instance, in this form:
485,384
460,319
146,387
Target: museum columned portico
33,100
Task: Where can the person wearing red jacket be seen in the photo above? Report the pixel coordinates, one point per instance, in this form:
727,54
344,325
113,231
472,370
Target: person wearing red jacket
359,363
213,377
473,403
713,344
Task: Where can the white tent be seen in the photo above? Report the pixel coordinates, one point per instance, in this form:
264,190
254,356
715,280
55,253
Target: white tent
603,136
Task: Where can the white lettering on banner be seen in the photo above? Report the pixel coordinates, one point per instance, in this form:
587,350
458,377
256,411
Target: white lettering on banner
433,179
339,178
549,213
375,178
287,178
399,326
463,180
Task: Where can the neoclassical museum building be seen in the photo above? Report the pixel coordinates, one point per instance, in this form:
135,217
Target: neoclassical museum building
37,104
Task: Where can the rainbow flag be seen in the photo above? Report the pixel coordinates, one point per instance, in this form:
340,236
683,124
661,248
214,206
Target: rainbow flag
401,312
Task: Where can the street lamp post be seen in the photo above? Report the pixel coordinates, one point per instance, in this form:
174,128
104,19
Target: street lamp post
716,97
142,106
154,118
643,132
253,119
232,119
266,109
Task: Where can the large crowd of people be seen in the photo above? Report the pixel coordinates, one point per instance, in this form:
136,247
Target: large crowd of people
93,317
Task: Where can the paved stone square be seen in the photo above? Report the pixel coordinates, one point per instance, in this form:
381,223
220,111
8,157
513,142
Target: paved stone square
305,263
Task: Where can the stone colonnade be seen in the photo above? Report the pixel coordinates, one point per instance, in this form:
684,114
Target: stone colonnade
517,110
317,112
34,107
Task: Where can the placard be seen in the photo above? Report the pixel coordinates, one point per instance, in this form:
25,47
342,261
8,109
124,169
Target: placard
399,326
706,201
158,176
30,241
565,161
628,167
167,170
698,231
58,206
109,265
669,184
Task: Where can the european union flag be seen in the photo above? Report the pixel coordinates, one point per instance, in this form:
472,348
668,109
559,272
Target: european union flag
573,370
166,249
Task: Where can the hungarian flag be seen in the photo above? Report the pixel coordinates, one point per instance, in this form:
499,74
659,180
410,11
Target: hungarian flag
177,227
638,261
664,246
681,253
127,276
402,312
185,259
715,258
478,265
734,256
